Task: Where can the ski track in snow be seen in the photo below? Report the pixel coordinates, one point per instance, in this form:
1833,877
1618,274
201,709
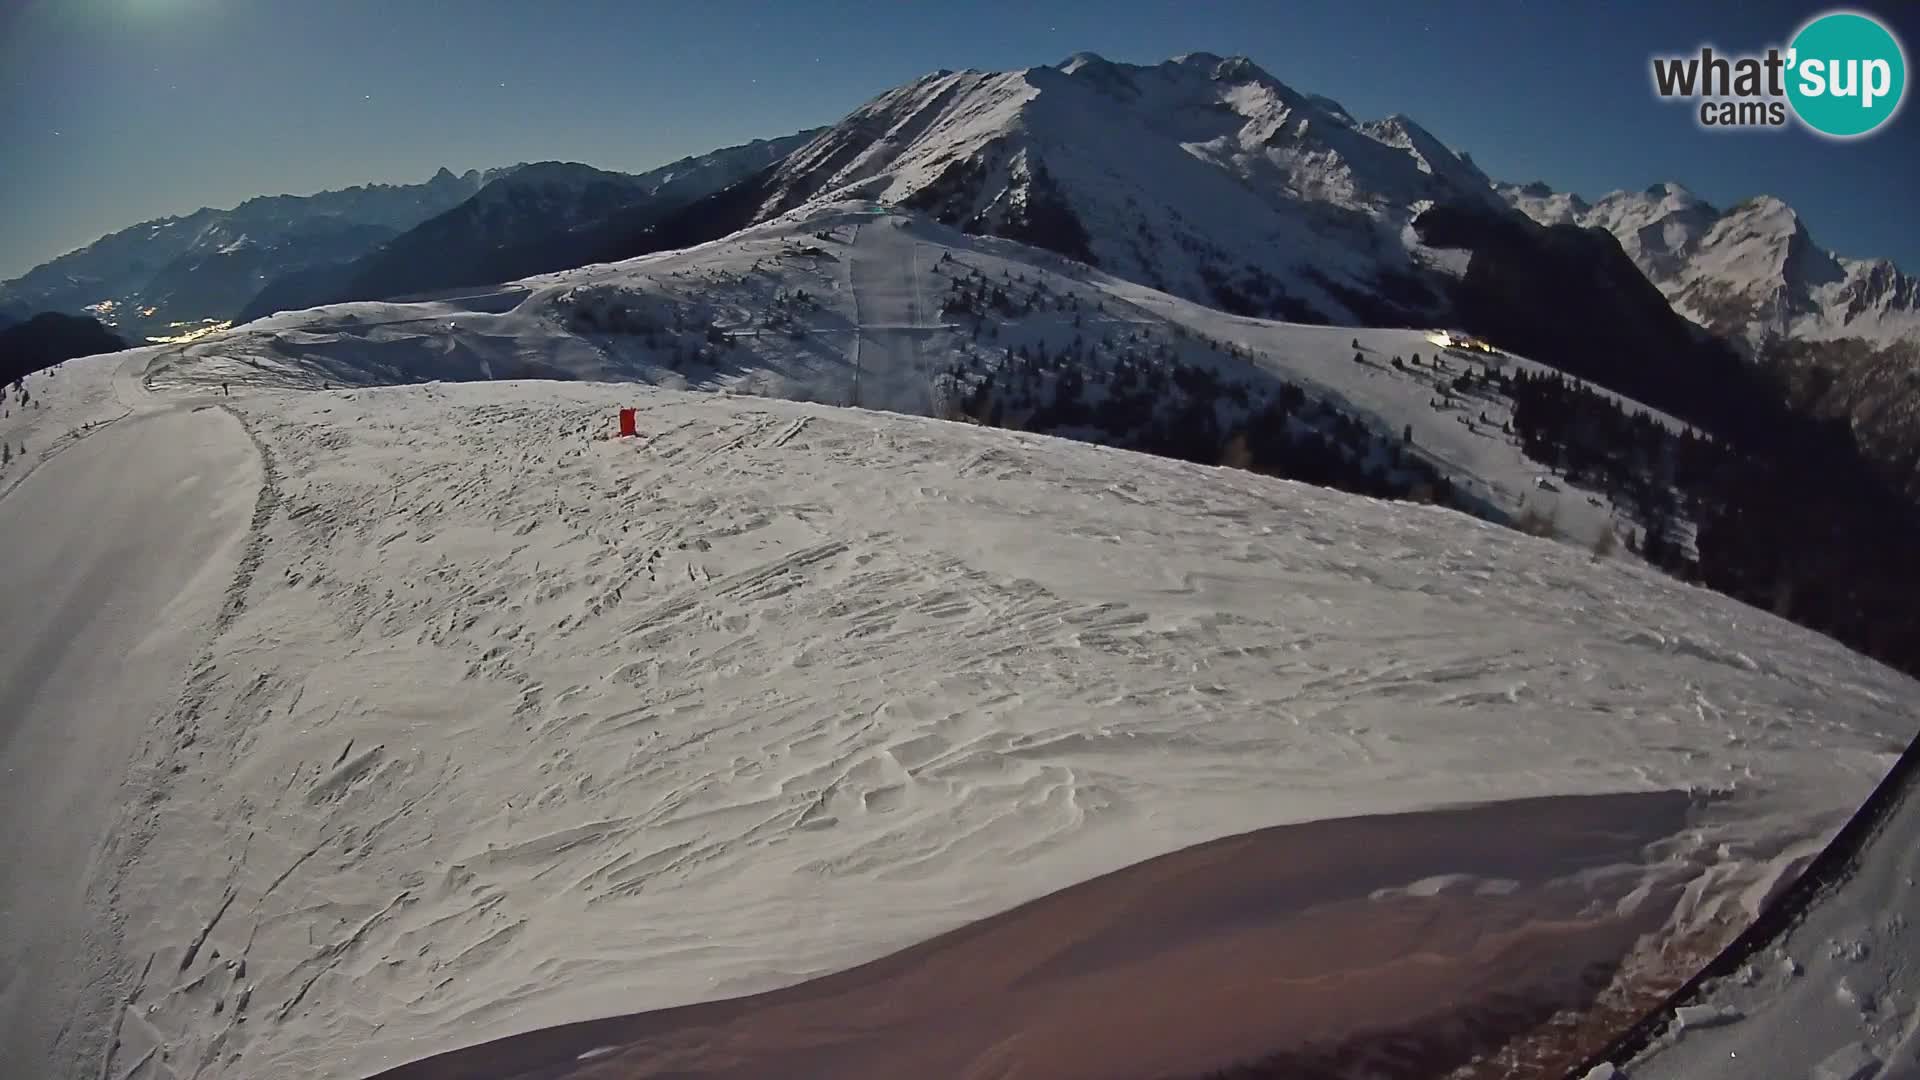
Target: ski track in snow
106,601
520,724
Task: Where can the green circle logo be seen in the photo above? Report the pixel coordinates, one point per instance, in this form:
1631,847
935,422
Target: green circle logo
1847,74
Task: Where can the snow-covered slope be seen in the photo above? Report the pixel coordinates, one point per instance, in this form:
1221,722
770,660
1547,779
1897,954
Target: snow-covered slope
1751,272
205,266
510,723
63,405
123,532
845,303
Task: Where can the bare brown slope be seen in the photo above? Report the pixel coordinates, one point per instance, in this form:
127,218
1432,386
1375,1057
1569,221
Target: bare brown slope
1231,951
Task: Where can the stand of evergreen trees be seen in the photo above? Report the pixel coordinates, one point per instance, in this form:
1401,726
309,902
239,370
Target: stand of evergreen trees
1799,524
1122,386
50,338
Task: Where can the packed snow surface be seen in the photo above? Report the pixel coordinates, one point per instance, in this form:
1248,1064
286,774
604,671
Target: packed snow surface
513,723
117,561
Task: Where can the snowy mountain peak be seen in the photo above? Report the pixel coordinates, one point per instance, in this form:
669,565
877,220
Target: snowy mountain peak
1219,68
1204,61
1764,241
1543,204
1431,155
1332,108
1668,191
1239,69
1102,74
157,276
1082,60
1199,78
1769,209
1203,175
1752,271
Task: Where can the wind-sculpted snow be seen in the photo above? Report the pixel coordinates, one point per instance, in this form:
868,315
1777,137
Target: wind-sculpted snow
1297,951
1823,986
520,724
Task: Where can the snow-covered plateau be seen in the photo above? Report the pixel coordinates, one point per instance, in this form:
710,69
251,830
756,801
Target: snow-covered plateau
393,719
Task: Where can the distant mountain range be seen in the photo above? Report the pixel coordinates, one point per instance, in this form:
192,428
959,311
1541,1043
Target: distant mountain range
173,275
1751,272
206,266
532,219
1840,336
1203,176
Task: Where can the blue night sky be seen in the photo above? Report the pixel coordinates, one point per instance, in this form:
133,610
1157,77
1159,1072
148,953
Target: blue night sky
115,111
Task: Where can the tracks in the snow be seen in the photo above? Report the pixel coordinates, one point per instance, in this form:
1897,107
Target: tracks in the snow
530,716
174,734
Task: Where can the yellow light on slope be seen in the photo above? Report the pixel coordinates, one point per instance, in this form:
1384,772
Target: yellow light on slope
192,335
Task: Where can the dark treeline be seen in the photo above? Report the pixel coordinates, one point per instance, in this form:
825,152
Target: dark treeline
1794,512
1798,525
48,339
1129,387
